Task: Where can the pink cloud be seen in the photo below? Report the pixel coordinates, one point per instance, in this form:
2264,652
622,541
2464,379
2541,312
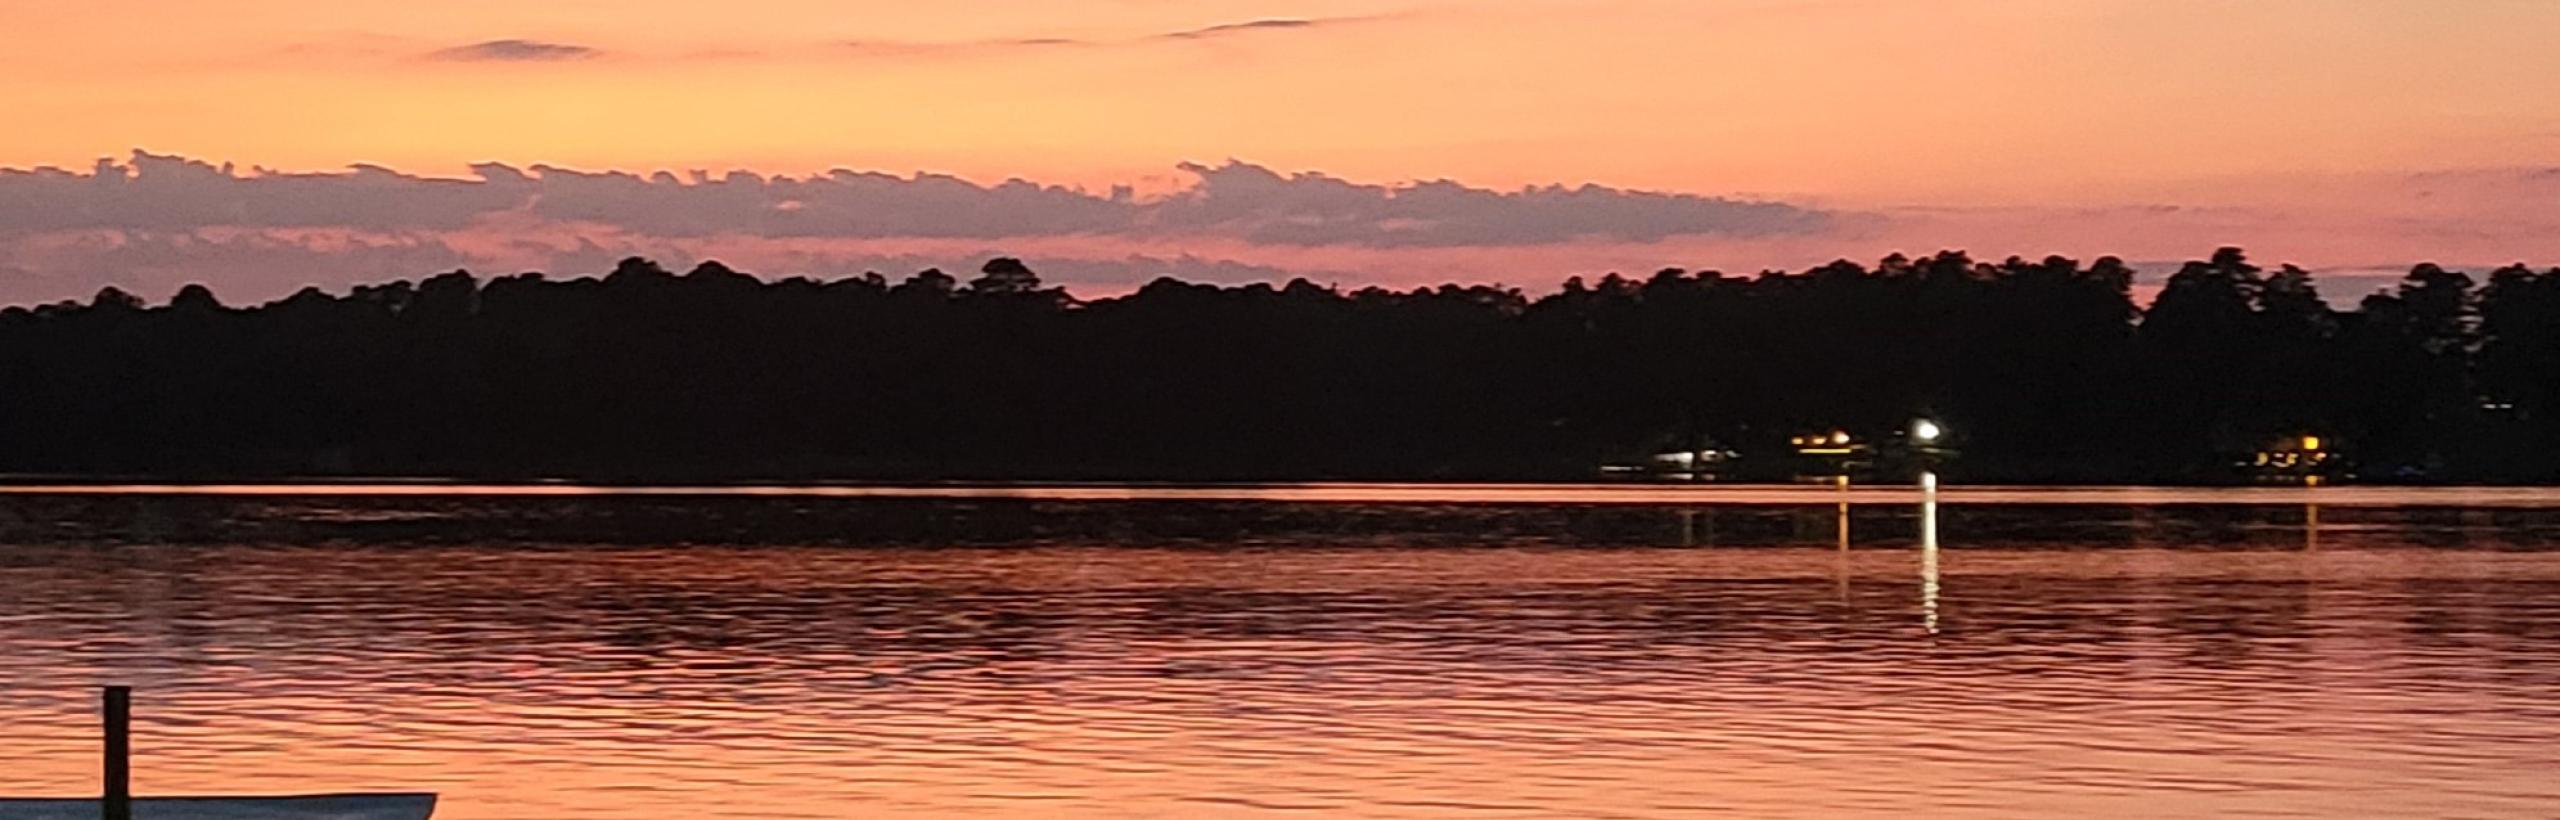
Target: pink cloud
156,222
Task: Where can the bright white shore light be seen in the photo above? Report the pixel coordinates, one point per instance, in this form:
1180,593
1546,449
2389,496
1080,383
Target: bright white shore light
1926,431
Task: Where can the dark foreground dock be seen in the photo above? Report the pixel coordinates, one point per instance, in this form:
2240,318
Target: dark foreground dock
118,803
316,807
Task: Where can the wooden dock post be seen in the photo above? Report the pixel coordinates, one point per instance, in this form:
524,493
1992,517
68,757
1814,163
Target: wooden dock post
118,800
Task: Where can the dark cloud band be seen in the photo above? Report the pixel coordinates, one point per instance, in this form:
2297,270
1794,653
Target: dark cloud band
1234,200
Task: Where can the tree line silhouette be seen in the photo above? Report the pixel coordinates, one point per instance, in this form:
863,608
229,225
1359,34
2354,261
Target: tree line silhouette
2048,370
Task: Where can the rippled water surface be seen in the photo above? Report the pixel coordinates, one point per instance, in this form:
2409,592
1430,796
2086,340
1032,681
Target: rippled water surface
1401,654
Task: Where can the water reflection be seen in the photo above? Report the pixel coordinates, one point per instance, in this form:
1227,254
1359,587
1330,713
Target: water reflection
641,657
1929,552
1840,563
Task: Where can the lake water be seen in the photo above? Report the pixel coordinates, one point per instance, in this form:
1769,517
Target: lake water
1357,651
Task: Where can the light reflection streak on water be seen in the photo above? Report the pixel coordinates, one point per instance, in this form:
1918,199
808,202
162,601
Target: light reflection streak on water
1929,552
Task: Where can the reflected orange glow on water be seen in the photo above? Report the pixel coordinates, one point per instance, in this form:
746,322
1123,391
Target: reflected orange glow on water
2383,674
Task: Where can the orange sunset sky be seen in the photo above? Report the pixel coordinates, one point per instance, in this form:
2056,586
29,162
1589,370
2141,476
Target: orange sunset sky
1350,141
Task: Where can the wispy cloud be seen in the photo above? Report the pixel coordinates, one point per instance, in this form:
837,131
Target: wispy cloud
1231,29
387,49
514,51
1009,44
953,48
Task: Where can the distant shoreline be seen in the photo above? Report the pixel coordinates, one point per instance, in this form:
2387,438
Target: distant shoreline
2036,371
1353,492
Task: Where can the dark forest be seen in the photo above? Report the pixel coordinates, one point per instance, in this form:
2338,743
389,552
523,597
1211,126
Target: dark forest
2049,370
